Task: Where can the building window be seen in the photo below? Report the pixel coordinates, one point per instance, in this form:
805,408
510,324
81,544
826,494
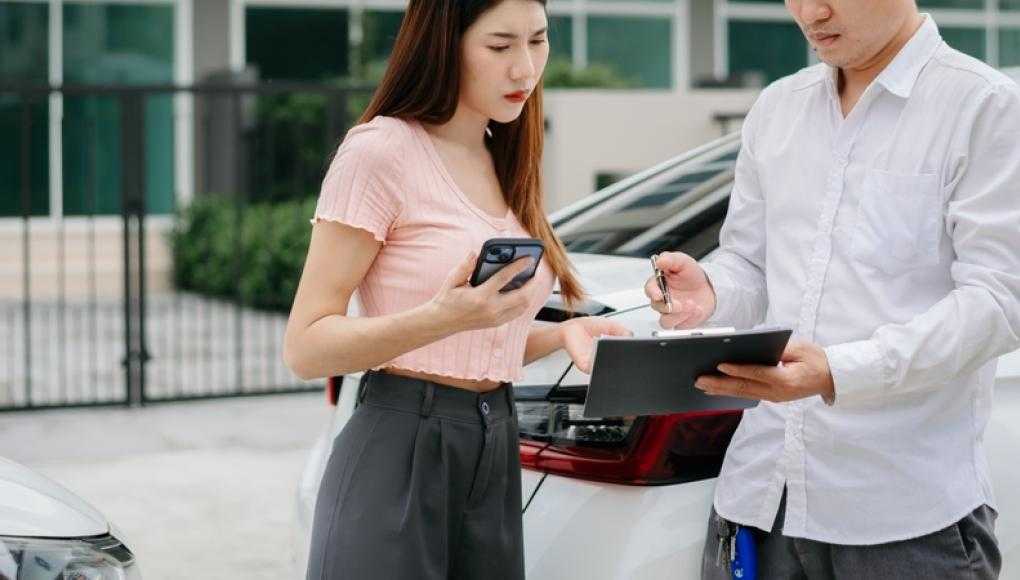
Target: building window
561,38
25,49
771,49
297,43
967,40
637,48
24,41
116,44
1009,47
957,4
379,34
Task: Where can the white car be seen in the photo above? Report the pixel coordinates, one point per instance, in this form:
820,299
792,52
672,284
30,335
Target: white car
48,533
629,498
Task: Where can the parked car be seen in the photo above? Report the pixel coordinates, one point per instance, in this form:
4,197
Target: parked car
48,533
629,497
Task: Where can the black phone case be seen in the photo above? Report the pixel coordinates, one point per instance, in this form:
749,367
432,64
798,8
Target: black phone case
523,247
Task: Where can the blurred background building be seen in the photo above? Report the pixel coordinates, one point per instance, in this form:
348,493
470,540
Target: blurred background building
657,51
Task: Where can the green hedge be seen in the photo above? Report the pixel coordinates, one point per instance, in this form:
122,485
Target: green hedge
561,74
290,144
249,253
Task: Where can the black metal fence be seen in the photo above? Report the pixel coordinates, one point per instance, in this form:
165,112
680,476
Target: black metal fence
90,311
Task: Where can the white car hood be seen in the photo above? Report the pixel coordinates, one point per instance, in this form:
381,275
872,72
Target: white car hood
32,505
616,281
606,276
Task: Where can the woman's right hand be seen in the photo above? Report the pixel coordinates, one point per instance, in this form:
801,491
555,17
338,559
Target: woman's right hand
465,307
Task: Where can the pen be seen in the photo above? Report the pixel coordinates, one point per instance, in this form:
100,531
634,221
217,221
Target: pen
660,279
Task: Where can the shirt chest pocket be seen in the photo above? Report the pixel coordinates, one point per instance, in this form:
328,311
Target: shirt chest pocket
898,221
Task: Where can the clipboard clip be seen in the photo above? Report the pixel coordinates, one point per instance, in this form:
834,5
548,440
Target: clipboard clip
708,331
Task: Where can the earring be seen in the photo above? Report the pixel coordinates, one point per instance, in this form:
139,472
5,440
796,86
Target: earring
488,132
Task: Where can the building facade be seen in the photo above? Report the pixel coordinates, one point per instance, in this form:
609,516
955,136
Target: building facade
664,46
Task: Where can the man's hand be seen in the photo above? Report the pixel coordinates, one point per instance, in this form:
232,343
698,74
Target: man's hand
804,372
693,297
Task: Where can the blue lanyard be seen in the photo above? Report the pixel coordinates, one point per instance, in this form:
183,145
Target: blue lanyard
744,565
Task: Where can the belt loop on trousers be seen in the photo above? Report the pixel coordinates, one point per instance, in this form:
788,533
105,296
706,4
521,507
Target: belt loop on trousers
363,387
426,401
508,388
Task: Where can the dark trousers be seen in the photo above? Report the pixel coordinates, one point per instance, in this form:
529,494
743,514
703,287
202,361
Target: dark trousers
966,550
424,483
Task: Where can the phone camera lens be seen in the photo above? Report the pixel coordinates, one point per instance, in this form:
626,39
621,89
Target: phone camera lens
499,254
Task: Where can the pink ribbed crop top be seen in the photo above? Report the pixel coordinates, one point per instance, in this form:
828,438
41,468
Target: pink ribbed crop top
388,179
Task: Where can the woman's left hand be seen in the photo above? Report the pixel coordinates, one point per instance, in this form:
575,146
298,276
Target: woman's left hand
579,336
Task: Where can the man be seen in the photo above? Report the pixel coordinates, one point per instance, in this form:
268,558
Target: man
876,211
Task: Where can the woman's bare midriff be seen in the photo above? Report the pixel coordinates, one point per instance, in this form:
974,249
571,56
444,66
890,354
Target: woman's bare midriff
483,386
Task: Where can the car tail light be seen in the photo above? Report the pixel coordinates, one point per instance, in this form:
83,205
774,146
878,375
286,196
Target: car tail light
333,389
647,450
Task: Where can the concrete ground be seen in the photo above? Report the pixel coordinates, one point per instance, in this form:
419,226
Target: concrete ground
200,490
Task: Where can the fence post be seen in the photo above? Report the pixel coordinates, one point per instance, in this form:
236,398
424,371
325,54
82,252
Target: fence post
26,221
133,213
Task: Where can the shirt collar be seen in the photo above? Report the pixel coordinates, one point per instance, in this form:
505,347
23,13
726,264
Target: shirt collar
901,74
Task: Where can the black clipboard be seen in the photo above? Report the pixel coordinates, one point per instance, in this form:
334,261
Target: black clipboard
655,375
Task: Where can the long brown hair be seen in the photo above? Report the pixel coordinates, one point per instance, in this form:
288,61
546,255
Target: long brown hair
422,82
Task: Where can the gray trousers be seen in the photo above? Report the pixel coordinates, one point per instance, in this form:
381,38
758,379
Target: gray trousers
424,482
966,550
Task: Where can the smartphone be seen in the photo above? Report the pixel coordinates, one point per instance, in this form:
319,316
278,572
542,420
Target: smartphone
498,253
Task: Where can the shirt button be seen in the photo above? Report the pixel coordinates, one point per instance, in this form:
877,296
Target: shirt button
485,408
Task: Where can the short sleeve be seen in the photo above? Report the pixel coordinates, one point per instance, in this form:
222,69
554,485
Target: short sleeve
362,187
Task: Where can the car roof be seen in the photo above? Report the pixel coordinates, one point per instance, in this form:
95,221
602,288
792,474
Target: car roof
678,204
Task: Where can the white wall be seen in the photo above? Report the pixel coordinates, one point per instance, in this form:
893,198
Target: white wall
593,132
87,257
212,37
702,35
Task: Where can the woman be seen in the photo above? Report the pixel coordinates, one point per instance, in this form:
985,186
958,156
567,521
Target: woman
424,480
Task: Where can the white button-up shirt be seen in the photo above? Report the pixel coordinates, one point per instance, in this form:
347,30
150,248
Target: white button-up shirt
891,237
